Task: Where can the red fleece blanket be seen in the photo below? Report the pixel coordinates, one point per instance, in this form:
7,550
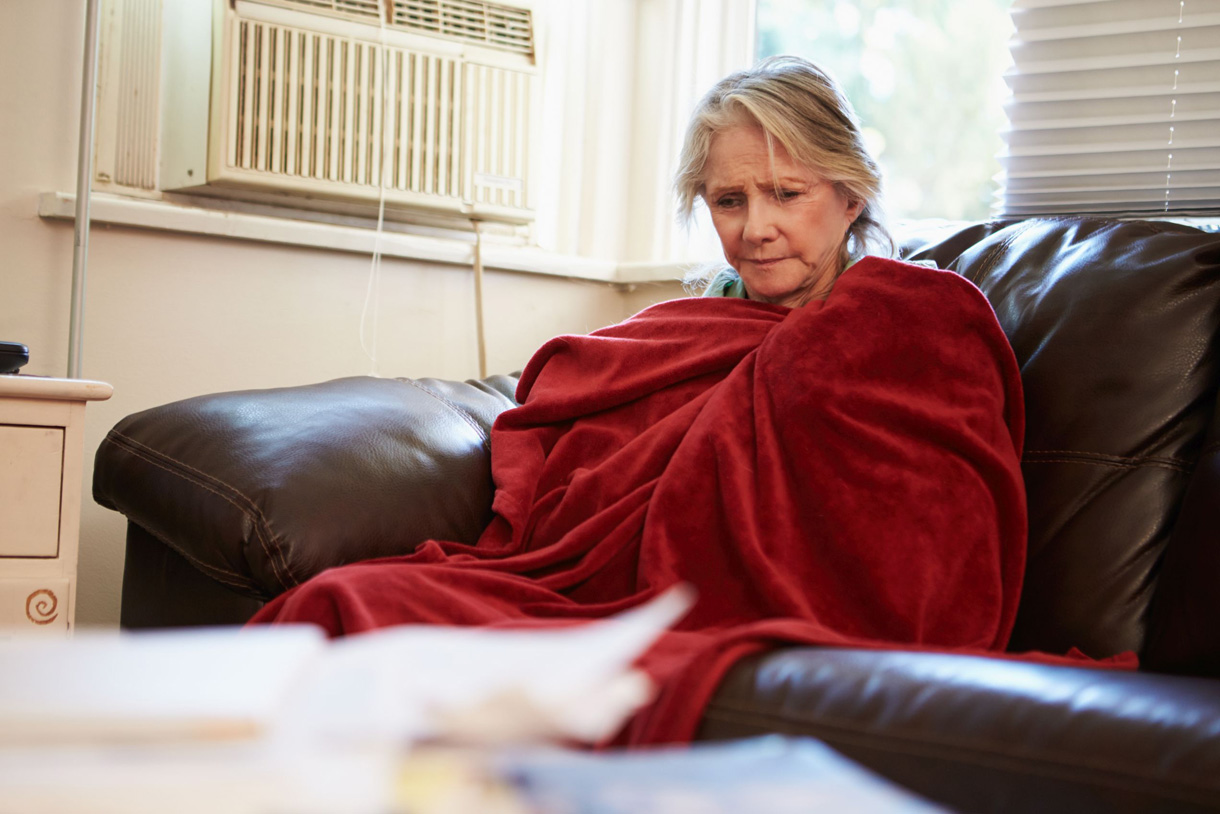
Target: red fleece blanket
842,473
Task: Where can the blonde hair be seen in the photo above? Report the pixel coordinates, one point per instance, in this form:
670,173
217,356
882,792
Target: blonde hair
799,105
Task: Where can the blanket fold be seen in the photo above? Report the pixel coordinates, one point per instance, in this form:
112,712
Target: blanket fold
842,473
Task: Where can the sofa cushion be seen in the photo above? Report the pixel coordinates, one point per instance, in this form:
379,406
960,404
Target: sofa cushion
1114,327
986,734
262,489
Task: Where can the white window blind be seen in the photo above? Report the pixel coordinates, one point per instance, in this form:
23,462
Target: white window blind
1115,108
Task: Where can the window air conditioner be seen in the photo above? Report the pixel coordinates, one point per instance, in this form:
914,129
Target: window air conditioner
323,103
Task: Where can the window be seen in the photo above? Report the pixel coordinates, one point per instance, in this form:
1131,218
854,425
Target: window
1115,109
927,81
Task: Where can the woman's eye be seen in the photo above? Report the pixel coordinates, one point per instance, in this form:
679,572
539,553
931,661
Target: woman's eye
788,194
727,202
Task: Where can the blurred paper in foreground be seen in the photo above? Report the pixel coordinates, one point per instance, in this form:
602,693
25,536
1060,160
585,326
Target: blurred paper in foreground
291,685
478,685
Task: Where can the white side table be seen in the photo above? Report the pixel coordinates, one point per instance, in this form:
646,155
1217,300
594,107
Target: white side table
41,431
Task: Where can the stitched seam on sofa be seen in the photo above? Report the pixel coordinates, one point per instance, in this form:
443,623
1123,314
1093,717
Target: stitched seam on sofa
1107,456
1148,226
993,254
1111,464
920,738
465,415
1101,457
217,574
151,456
215,571
1164,789
924,744
205,481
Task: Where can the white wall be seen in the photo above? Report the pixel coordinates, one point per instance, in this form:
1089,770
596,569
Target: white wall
170,316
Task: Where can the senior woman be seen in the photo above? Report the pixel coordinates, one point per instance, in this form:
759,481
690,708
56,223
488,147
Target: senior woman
827,451
777,156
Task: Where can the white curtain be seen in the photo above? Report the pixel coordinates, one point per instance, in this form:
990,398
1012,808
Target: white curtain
1115,108
620,78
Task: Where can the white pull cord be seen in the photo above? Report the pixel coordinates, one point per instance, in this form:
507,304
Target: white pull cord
480,336
372,294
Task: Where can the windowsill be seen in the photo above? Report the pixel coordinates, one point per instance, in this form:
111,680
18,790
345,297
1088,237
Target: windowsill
162,215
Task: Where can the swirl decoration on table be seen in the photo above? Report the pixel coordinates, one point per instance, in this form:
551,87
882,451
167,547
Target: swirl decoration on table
41,607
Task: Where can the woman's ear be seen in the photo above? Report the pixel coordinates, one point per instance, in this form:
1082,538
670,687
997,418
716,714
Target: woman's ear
854,209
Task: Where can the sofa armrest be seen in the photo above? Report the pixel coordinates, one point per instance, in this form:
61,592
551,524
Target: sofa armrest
262,489
984,734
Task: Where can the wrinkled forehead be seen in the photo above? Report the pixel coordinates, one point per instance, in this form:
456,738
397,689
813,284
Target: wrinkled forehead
747,153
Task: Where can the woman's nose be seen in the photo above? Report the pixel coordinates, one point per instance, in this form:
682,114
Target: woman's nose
760,224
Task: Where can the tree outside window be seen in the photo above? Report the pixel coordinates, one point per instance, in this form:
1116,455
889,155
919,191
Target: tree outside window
926,79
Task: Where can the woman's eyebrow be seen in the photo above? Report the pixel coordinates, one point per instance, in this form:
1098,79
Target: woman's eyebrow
723,188
783,180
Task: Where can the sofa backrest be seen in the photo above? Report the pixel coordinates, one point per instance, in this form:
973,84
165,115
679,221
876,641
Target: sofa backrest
1114,325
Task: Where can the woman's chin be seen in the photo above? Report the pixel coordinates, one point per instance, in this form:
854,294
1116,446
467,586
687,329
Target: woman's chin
774,294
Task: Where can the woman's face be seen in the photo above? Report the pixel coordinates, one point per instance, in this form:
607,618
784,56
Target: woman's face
785,244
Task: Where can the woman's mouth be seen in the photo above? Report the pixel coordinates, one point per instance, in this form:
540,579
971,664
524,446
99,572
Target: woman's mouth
767,262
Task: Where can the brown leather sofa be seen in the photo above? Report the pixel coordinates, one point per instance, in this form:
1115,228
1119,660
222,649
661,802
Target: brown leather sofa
233,498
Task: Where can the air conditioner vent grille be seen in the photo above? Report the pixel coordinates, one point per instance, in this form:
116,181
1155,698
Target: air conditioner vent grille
305,107
491,24
366,11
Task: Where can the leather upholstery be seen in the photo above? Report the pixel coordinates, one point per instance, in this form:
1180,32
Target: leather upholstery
234,497
986,734
1185,630
260,490
1114,327
161,588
